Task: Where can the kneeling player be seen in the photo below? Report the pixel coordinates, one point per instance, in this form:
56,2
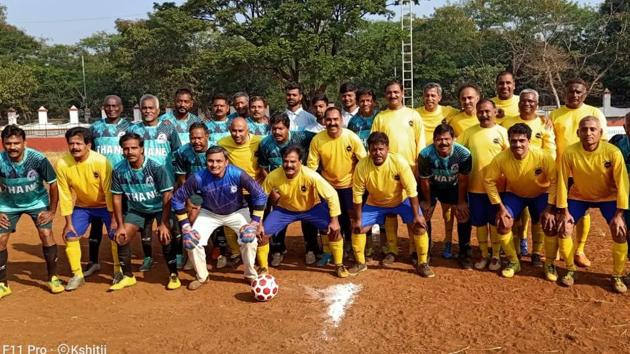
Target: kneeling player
221,188
600,180
392,190
148,188
297,191
530,181
22,191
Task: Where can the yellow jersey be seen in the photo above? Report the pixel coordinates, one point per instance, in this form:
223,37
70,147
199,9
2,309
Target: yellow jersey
431,120
528,178
387,185
566,122
243,156
90,180
302,192
405,131
484,144
598,175
509,107
336,156
462,121
543,137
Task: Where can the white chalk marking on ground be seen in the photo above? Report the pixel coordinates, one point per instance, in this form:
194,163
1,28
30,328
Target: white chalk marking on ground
339,298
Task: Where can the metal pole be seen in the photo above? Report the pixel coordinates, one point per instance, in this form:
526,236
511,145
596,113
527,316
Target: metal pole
84,85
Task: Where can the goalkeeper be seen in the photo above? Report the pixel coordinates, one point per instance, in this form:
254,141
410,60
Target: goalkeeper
221,187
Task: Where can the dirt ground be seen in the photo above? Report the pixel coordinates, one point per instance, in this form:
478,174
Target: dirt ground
395,311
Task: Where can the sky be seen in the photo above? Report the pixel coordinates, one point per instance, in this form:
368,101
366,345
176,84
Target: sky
68,21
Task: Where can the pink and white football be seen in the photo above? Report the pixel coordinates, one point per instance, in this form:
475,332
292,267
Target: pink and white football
264,287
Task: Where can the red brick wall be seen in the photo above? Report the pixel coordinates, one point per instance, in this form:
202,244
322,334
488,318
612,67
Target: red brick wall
50,144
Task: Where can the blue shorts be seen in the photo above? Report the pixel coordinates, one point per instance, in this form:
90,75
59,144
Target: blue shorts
374,215
82,218
515,206
480,209
279,218
577,208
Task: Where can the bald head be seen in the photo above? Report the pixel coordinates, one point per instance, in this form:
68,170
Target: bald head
239,130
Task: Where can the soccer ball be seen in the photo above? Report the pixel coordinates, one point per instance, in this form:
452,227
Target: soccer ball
264,287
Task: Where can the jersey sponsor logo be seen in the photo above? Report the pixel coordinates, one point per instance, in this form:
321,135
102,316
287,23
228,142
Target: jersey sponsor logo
303,189
108,149
495,140
32,175
18,189
121,133
539,135
411,123
397,177
162,138
538,170
607,164
148,180
455,167
142,196
96,175
233,189
348,148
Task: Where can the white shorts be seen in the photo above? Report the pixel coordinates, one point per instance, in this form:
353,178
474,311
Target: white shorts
207,222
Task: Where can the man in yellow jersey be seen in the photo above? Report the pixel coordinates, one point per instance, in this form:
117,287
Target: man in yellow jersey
600,180
542,138
335,152
405,131
485,141
565,123
392,189
468,96
241,147
434,114
298,192
505,100
530,182
86,174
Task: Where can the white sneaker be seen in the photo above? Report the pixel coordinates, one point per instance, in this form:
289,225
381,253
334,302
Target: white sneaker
495,264
221,262
310,258
276,259
483,263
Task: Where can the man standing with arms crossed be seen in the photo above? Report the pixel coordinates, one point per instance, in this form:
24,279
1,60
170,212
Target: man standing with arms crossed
403,126
335,152
23,172
87,174
105,135
565,123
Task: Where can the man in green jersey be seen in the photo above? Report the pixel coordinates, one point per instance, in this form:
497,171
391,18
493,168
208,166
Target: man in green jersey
23,172
148,188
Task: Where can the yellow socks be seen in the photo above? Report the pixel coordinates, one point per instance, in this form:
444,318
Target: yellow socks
538,238
73,252
581,232
525,220
358,245
565,245
325,245
421,242
391,232
551,248
508,247
262,255
232,241
620,255
496,242
336,248
447,215
117,268
482,239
